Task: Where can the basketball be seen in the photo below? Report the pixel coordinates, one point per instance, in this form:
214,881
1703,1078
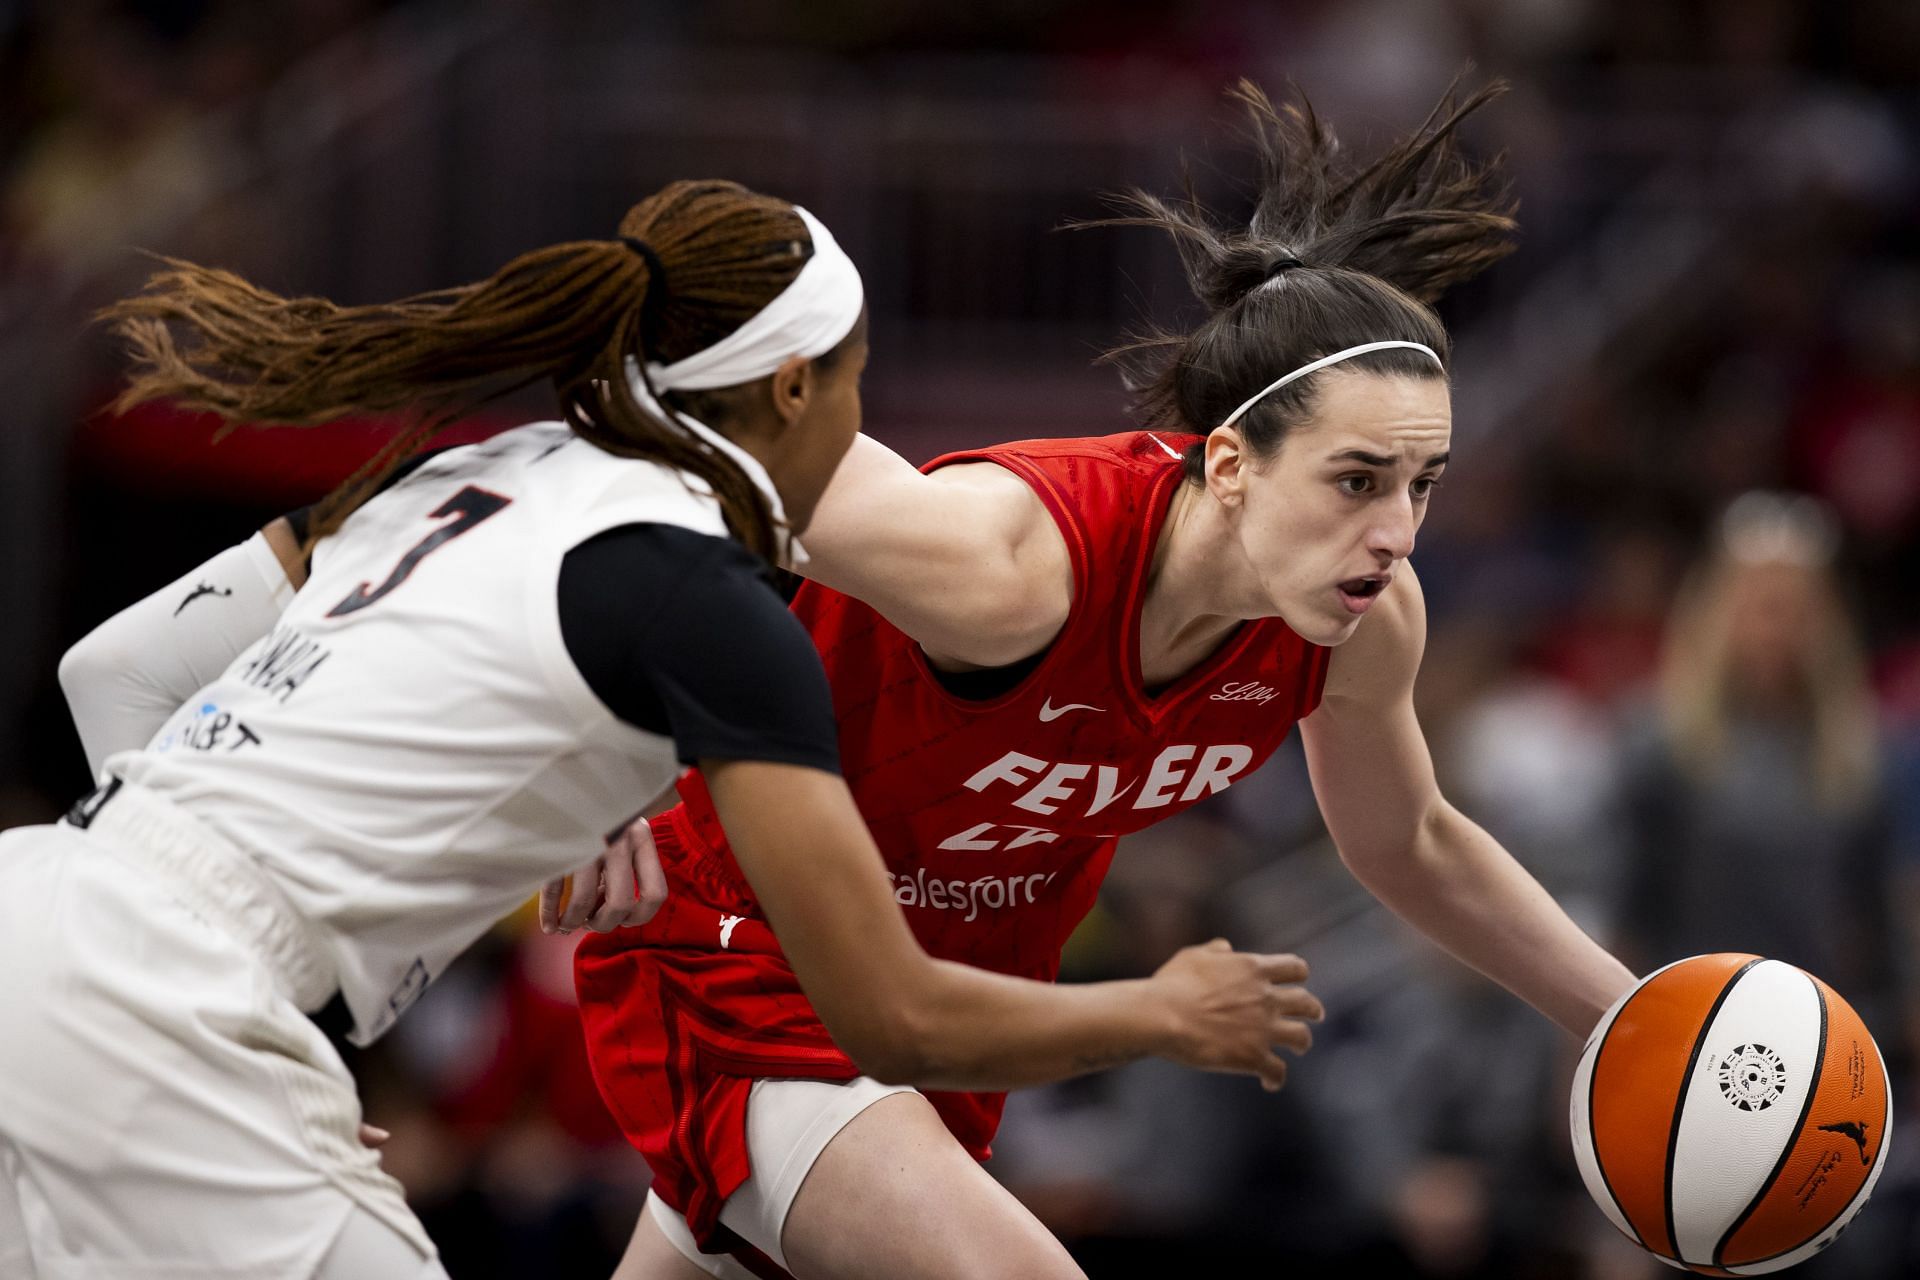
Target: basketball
1730,1114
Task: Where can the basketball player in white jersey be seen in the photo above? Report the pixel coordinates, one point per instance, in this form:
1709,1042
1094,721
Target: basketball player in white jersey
473,686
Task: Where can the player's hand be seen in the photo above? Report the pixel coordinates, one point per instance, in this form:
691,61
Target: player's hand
1233,1009
623,886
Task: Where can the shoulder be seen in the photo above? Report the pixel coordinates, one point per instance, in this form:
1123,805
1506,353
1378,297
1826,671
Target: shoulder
1074,465
680,634
1014,591
1378,663
1000,499
675,600
1082,491
617,568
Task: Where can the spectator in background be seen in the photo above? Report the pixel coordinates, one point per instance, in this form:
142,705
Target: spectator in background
1857,436
1756,807
119,165
1755,811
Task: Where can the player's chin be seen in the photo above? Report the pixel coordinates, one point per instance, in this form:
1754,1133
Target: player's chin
1324,627
1339,631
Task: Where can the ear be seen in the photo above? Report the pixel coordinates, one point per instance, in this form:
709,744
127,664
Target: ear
791,387
1228,463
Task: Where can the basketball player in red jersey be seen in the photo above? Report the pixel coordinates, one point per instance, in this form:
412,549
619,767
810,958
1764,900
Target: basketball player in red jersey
321,779
1039,647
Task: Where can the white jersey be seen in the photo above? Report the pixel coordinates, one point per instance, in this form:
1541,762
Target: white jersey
411,752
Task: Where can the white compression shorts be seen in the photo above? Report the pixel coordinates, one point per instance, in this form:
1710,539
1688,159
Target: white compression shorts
789,1123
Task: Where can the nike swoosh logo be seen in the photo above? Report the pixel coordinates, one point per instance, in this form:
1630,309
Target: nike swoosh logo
1049,713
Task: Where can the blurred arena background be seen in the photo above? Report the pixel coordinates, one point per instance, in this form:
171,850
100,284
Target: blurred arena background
1718,292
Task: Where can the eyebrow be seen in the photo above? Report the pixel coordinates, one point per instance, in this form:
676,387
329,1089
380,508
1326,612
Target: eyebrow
1379,460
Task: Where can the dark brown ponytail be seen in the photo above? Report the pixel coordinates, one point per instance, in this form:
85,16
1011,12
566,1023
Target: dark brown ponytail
569,314
1336,255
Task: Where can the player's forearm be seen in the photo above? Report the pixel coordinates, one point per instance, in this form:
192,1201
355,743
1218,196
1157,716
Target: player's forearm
1459,887
971,1029
125,677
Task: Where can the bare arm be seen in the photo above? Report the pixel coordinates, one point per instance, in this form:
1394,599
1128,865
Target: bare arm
904,1016
1418,854
286,549
966,560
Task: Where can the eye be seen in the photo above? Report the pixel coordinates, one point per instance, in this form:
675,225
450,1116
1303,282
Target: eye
1425,485
1355,484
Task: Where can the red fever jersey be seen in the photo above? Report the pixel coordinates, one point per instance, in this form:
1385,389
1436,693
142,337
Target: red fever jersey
997,820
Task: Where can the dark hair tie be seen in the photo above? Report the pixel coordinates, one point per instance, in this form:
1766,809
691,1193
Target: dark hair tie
646,252
656,289
1282,265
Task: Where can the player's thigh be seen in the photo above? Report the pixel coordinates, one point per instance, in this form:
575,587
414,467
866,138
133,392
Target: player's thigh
894,1195
165,1106
663,1249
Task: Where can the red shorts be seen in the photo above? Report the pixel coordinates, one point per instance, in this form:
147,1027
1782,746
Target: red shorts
679,1026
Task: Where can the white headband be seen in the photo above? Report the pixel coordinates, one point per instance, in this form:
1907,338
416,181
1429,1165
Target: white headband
1322,363
796,555
808,318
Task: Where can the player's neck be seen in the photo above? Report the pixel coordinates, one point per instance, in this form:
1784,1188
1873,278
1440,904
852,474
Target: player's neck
1189,606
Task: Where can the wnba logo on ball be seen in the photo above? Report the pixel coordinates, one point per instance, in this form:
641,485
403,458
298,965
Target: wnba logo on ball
1752,1077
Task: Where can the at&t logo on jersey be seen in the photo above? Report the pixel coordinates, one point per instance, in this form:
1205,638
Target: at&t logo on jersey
1182,772
208,728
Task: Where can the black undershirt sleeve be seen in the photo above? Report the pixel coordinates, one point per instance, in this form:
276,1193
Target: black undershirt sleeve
681,634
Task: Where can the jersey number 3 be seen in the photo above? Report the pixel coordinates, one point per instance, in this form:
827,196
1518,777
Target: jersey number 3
468,507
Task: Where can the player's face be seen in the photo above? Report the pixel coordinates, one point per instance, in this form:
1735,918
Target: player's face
822,419
1326,520
825,433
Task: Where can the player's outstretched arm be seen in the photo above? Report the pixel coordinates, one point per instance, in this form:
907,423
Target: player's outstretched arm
905,1017
1419,855
126,676
965,560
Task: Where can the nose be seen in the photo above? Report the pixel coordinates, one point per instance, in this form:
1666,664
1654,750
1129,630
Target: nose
1392,532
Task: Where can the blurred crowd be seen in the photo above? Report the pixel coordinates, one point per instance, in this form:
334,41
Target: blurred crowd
1674,661
104,101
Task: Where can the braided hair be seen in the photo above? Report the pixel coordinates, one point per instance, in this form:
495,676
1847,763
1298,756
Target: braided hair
569,314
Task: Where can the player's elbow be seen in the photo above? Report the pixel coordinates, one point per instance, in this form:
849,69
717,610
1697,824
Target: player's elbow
99,681
896,1066
1396,854
1377,867
886,1044
897,1033
87,665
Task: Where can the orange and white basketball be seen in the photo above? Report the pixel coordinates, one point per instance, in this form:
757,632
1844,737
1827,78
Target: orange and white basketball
1730,1114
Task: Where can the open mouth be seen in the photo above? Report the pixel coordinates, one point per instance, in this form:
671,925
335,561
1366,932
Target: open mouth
1358,594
